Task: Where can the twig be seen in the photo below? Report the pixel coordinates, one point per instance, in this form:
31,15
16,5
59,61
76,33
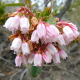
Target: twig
73,48
70,71
11,77
10,67
46,2
5,60
22,75
66,6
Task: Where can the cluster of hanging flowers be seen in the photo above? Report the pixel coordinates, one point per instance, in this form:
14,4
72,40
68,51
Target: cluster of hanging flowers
36,41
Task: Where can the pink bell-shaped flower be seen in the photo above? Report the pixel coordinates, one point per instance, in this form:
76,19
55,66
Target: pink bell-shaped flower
56,58
68,32
46,58
37,59
18,60
75,33
25,59
34,37
16,44
31,58
15,23
73,27
49,55
41,30
25,48
24,25
51,30
60,40
50,47
8,23
62,54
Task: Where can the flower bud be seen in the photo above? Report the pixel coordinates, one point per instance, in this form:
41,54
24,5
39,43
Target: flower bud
62,54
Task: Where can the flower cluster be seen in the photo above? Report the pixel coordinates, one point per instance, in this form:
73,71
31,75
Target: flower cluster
36,41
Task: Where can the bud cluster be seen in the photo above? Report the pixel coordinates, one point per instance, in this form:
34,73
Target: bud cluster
36,41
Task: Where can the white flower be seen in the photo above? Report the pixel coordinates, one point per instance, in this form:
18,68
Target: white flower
24,25
16,44
25,48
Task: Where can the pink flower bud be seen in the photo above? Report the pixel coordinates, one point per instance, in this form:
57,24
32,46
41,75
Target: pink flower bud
49,55
25,48
16,44
50,47
31,58
25,59
73,27
8,23
15,23
18,60
56,58
37,59
24,25
41,30
76,33
46,58
68,32
60,40
34,37
51,30
62,54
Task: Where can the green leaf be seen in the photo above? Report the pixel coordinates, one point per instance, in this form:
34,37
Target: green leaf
51,21
46,18
14,4
34,11
33,5
35,71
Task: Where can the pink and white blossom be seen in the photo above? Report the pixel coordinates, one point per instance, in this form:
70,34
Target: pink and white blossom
68,32
24,25
50,47
25,59
45,58
56,58
25,48
41,30
31,58
75,33
37,59
62,54
15,23
8,23
18,60
16,44
35,37
49,55
73,27
51,30
60,40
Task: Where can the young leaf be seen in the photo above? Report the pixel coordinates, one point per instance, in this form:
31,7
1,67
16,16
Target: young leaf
51,21
14,4
35,71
